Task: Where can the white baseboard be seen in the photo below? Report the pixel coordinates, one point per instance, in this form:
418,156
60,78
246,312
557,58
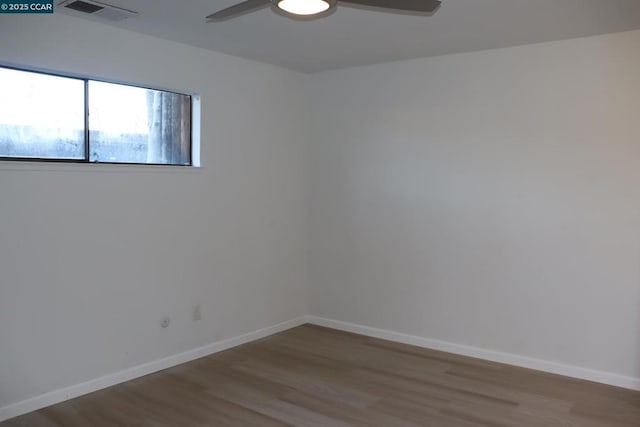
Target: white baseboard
57,396
481,353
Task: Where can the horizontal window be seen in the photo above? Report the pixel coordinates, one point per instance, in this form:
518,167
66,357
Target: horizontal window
46,117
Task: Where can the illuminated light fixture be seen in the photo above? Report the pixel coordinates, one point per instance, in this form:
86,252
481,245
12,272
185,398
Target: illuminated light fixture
305,7
308,10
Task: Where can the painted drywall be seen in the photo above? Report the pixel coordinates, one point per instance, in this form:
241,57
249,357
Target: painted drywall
485,199
92,257
488,199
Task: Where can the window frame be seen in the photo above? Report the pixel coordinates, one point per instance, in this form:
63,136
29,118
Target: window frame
87,139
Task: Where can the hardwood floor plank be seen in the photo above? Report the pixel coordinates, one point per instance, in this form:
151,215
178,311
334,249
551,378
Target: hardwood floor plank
314,376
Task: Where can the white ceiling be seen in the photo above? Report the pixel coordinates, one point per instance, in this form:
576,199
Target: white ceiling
351,37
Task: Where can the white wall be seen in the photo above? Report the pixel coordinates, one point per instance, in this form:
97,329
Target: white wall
91,257
489,199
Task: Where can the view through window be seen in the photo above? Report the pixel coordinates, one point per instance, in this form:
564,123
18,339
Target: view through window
46,117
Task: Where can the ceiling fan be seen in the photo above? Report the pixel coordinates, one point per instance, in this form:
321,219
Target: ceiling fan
312,9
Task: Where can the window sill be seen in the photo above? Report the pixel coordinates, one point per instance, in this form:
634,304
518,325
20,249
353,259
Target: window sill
44,166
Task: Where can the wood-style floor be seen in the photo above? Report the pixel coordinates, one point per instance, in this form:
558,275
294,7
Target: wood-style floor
313,376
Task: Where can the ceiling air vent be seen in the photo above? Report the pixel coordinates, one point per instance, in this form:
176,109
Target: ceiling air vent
101,10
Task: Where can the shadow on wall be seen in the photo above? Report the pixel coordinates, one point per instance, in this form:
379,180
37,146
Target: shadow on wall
637,334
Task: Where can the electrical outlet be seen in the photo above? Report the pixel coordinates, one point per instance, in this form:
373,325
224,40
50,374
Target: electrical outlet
196,313
164,322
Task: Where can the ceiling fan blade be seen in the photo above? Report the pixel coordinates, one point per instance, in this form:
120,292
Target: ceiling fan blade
402,5
238,9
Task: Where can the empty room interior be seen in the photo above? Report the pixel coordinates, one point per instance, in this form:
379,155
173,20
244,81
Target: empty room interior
320,213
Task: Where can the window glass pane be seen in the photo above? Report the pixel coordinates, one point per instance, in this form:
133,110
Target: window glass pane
41,116
134,125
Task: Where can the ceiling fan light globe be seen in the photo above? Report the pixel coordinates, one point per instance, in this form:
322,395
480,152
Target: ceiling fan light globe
304,7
